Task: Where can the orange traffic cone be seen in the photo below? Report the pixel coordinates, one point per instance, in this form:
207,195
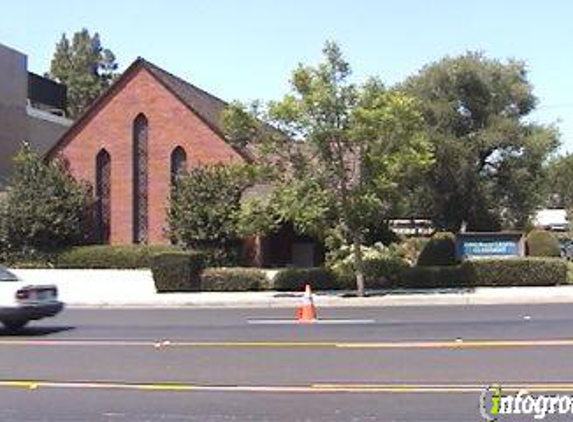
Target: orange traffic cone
306,312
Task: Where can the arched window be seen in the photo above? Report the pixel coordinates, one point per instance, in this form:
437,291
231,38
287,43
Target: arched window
140,176
178,163
103,196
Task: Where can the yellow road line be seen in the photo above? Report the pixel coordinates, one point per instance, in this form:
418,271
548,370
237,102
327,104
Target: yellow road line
388,388
437,344
255,344
457,344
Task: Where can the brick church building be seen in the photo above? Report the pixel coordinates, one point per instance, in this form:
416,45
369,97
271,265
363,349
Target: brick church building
130,143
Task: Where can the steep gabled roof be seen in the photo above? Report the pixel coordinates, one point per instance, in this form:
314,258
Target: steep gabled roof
207,107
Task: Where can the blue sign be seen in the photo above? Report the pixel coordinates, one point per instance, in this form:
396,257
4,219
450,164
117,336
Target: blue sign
475,245
489,248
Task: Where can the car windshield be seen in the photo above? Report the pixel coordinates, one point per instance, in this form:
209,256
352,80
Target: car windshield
6,275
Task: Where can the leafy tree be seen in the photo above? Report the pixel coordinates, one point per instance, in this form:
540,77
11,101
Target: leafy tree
488,171
340,151
560,182
45,208
240,125
85,67
204,204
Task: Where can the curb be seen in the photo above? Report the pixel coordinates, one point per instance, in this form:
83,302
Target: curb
235,300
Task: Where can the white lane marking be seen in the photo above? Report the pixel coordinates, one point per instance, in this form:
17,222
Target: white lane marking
318,321
311,388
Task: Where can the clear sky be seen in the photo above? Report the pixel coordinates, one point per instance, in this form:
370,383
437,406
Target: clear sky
246,49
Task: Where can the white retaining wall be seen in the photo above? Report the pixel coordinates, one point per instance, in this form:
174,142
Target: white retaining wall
95,286
101,288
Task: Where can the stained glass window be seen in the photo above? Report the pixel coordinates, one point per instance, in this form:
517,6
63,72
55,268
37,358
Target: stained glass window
103,196
178,163
140,179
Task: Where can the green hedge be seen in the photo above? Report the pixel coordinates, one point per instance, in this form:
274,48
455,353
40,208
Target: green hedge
218,256
28,261
295,279
233,279
107,256
543,243
519,272
177,271
440,250
489,272
427,277
379,273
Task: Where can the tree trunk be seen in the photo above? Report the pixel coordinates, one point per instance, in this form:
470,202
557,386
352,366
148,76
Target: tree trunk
358,264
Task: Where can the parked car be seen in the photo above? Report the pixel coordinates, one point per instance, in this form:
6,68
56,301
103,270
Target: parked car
21,302
566,249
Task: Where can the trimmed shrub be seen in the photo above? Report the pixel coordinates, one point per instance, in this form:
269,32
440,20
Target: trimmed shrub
27,260
432,277
177,271
26,263
295,279
383,273
543,243
440,250
488,272
381,264
233,279
379,273
221,255
518,272
107,256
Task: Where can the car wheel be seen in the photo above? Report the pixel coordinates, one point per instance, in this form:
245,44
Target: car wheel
14,325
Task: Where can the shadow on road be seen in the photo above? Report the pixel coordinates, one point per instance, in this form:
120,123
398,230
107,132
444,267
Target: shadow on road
382,292
407,292
34,331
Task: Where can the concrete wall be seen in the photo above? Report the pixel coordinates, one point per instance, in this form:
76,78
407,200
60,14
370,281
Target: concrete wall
44,129
13,77
97,287
13,93
18,122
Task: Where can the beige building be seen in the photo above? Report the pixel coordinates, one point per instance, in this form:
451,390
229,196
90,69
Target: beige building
31,109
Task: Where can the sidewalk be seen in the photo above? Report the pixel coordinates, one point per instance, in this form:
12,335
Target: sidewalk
135,288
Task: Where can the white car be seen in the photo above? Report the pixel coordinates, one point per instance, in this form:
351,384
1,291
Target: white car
21,302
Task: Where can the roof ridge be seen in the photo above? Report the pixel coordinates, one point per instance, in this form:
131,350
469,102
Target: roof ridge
146,62
206,106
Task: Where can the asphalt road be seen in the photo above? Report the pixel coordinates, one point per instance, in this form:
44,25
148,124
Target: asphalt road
397,364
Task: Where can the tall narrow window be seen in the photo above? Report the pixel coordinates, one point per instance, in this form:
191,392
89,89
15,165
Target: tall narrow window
178,163
140,176
103,196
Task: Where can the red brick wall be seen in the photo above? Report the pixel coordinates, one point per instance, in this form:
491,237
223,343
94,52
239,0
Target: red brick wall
171,124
